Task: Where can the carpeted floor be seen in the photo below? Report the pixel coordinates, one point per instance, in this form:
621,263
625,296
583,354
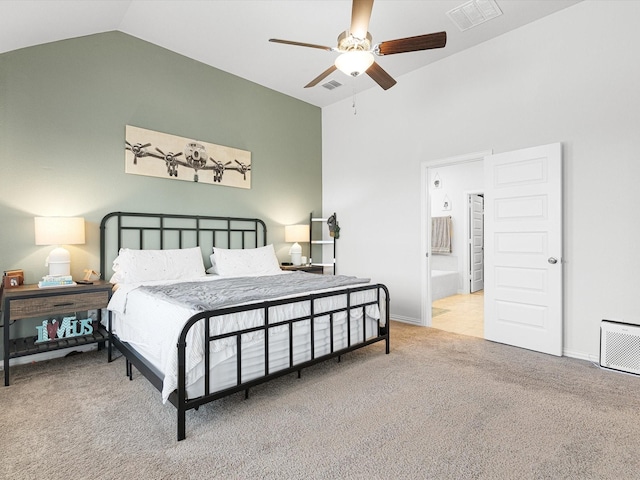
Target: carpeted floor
440,405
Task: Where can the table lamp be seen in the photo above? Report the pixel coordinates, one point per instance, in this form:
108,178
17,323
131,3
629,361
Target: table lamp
296,233
59,231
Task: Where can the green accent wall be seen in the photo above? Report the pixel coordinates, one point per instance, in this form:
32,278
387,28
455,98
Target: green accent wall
63,111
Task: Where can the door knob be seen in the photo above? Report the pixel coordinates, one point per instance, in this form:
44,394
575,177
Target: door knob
552,260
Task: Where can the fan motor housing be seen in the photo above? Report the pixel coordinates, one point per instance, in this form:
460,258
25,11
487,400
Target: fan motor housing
347,42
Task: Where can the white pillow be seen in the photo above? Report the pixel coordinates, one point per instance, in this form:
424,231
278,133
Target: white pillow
246,261
134,266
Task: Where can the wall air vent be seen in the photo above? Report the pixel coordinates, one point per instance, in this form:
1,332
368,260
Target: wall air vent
620,346
331,85
473,13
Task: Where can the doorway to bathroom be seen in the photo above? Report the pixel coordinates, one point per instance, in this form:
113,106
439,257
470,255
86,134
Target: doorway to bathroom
523,301
455,203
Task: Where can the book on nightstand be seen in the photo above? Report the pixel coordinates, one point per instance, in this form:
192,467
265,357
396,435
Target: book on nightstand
49,281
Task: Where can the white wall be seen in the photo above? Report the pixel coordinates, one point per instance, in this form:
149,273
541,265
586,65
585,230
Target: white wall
456,182
572,77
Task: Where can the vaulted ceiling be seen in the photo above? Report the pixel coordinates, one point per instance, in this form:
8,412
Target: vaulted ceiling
232,35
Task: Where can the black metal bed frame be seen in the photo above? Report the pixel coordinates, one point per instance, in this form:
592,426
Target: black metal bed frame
187,228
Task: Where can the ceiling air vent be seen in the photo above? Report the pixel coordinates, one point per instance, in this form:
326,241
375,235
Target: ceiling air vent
473,13
331,85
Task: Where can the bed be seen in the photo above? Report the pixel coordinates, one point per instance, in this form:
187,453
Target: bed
202,309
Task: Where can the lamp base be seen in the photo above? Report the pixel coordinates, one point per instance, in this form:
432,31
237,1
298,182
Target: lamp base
59,262
296,259
296,254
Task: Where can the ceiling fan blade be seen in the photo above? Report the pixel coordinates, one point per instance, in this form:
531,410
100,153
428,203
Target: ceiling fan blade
360,16
412,44
321,77
380,76
300,44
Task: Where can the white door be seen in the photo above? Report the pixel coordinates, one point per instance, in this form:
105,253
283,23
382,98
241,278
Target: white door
476,242
523,248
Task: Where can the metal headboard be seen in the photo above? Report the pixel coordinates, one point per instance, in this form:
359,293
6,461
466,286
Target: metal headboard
162,231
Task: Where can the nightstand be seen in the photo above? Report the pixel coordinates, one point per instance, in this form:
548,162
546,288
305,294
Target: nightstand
29,301
303,268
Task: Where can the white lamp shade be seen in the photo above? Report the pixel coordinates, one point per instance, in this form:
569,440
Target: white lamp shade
59,230
355,62
296,233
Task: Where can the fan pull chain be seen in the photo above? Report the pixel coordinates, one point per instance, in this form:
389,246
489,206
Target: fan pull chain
355,110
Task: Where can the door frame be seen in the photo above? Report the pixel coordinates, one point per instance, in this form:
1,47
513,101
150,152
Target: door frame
425,228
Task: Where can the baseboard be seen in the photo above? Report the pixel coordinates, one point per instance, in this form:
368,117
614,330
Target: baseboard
41,357
413,321
580,356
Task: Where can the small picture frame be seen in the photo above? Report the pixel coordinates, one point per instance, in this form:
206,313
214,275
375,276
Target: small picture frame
12,278
436,182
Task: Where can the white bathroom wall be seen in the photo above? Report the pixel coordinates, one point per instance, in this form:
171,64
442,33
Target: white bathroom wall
456,181
571,77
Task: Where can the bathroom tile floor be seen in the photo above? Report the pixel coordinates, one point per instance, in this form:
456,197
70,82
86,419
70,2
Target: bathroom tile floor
462,314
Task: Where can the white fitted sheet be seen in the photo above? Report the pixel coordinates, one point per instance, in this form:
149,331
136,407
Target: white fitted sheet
152,327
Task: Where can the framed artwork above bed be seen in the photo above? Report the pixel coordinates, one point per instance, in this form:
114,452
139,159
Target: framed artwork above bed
162,155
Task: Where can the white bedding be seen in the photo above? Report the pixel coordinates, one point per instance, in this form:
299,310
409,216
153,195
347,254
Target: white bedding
153,326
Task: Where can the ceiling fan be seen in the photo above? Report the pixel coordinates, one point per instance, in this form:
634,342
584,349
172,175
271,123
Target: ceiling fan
356,48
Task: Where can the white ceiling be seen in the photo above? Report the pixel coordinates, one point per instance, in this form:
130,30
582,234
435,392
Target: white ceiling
232,35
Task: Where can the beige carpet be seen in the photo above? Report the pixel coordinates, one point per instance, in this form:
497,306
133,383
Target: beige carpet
439,406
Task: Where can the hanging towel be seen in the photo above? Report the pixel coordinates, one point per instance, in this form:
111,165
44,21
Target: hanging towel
441,234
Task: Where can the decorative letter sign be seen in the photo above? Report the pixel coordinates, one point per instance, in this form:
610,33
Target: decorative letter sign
69,327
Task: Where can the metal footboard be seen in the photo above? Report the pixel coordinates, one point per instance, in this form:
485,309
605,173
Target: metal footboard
179,397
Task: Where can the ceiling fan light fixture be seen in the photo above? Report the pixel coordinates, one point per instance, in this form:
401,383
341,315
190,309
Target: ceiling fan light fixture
355,46
354,62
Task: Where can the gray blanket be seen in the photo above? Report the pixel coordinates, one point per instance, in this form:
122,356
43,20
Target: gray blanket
203,296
